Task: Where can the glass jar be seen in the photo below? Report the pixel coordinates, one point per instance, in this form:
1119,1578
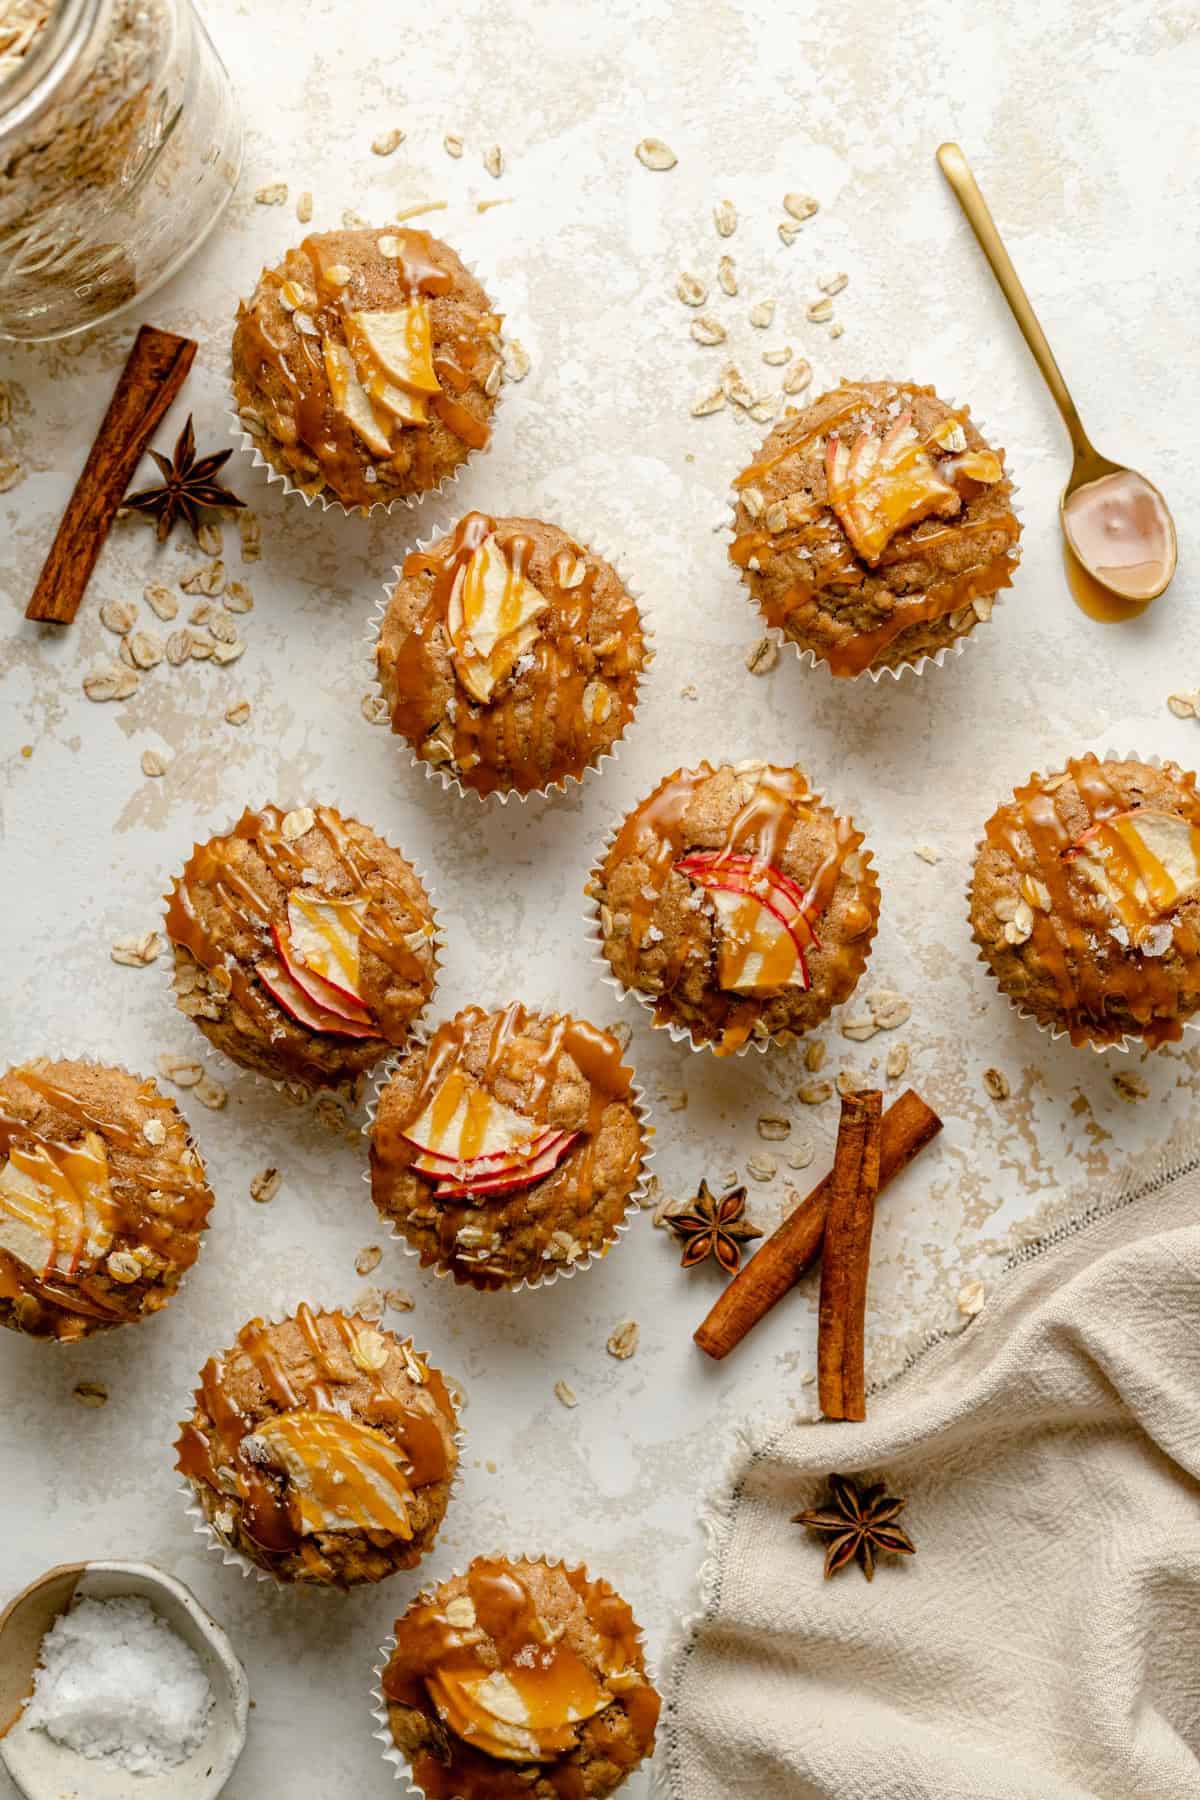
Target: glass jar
120,145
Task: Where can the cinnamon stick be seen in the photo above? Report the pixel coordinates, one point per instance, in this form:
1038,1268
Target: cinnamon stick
150,380
846,1262
778,1264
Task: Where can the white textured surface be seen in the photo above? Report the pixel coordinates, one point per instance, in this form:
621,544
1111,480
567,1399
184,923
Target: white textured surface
847,102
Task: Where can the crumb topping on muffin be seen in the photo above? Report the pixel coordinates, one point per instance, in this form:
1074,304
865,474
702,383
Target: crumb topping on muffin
875,525
322,1448
508,1146
737,901
518,1679
304,943
1086,899
367,363
510,654
103,1198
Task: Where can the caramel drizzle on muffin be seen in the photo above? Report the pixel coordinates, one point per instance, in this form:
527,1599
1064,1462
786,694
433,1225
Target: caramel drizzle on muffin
838,570
211,866
543,1692
154,1197
1071,928
457,358
368,1471
759,829
558,733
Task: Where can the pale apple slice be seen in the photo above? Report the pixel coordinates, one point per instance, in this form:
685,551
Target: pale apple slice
85,1165
326,935
399,343
322,993
342,1476
28,1219
405,407
879,486
448,1167
463,1122
519,1713
527,1172
351,399
757,953
749,875
1144,862
493,618
294,1001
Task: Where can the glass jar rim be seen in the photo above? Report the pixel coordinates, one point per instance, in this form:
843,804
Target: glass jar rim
56,64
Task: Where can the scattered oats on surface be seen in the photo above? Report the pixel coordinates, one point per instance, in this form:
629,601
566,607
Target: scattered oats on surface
814,1055
775,359
250,534
237,597
329,1113
179,647
265,1185
304,207
227,653
674,1099
223,627
1130,1085
179,1069
238,713
835,331
10,473
160,600
888,1009
897,1061
154,1132
762,314
493,161
996,1084
851,1081
689,692
970,1298
725,218
727,275
800,206
111,682
708,403
820,311
146,648
153,763
565,1393
833,284
798,377
734,387
814,1093
354,221
274,195
1182,705
210,1093
118,616
367,1259
761,1166
773,1127
927,853
707,330
374,709
515,358
801,1154
762,657
137,952
858,1028
90,1393
808,1378
452,144
652,153
623,1340
200,646
387,141
211,539
789,231
691,290
370,1304
399,1299
622,1033
296,823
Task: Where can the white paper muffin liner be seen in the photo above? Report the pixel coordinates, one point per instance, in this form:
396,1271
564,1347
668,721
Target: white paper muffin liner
401,1767
924,660
554,1271
233,1558
677,1032
501,796
1119,1046
298,1093
248,442
92,1338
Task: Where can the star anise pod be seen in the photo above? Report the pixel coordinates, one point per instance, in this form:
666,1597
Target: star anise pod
712,1227
188,485
859,1523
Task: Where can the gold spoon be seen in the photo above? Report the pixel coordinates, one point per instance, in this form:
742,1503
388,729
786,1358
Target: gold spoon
1119,535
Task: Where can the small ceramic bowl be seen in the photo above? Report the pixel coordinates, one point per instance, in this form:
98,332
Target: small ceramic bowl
44,1770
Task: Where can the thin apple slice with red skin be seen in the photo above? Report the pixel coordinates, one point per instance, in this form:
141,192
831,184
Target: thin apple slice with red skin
751,867
1164,852
882,485
527,1175
297,1004
431,1162
323,941
322,993
744,875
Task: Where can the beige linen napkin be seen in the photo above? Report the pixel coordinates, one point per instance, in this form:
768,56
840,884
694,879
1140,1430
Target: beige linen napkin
1044,1643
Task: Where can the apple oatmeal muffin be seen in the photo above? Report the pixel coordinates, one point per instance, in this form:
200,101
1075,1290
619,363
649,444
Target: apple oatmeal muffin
103,1198
875,527
510,655
736,905
366,365
322,1449
519,1680
508,1147
1085,900
304,944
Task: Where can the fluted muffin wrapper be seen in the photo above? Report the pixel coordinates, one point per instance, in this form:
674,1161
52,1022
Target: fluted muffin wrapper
299,1093
237,1559
92,1338
441,1268
452,783
392,1753
1122,1045
924,660
328,502
676,1031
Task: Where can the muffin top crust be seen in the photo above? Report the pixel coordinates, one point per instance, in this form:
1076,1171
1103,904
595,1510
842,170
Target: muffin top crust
520,1679
103,1198
367,364
323,1448
510,654
304,943
739,902
509,1146
875,525
1085,899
